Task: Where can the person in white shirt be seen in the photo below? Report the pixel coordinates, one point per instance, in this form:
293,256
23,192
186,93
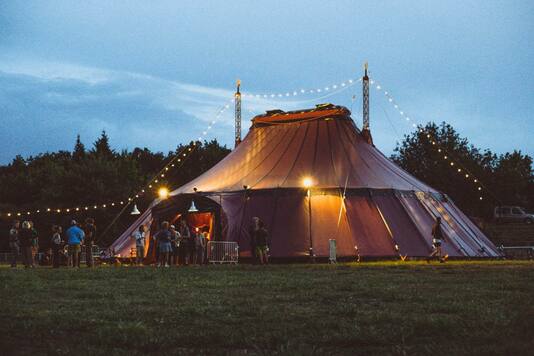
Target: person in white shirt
139,237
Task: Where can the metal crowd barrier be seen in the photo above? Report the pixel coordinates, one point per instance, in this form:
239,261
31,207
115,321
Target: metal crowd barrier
223,252
519,252
5,257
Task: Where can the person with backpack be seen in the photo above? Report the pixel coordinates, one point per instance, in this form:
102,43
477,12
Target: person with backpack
89,231
437,239
14,243
56,243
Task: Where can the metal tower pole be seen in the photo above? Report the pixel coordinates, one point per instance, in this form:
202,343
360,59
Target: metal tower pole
238,114
365,81
366,131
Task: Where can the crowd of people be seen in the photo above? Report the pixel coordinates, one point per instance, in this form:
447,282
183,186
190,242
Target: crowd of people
63,249
173,245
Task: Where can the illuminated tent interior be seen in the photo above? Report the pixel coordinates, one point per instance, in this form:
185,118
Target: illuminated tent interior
311,175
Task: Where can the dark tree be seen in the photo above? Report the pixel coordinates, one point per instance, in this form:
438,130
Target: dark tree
78,153
102,148
79,179
505,179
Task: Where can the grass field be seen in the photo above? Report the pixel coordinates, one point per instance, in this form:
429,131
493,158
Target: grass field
384,307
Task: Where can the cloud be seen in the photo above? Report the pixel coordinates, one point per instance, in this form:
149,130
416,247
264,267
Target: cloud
44,105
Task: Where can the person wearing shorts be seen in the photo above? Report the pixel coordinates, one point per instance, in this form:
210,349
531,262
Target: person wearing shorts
261,241
164,244
139,237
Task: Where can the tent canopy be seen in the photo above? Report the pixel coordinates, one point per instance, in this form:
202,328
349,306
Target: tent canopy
354,194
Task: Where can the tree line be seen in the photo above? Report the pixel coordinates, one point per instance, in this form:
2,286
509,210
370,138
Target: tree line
98,175
505,179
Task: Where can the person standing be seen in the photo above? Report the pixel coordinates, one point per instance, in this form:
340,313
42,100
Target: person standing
252,232
261,242
185,235
139,237
14,243
35,243
25,238
164,242
201,242
56,246
437,240
75,237
89,231
193,246
175,245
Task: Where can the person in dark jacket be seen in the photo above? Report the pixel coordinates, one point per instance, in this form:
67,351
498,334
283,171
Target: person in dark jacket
56,244
35,242
26,243
251,232
14,243
89,230
437,240
261,238
185,235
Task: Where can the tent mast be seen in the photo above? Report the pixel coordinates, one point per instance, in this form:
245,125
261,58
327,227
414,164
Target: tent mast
366,131
237,96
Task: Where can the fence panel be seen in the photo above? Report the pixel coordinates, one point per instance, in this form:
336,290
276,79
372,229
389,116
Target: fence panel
223,252
518,252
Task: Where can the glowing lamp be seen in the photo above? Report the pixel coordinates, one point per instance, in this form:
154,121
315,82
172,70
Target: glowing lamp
307,182
135,211
193,208
163,193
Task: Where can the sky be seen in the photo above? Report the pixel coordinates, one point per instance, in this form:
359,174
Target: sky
155,74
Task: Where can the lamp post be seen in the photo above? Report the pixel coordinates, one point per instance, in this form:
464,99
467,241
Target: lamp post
307,182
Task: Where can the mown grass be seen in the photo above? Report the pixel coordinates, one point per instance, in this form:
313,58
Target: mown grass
370,308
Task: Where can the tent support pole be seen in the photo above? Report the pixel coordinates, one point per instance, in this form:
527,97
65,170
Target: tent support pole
312,254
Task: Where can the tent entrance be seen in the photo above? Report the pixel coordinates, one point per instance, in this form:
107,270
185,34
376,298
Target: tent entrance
208,215
197,221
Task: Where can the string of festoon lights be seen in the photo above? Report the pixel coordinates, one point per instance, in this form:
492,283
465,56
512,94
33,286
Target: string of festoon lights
329,89
175,162
444,154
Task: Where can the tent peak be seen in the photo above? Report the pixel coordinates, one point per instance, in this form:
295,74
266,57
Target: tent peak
320,111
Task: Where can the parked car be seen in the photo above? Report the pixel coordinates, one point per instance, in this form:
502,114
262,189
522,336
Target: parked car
513,214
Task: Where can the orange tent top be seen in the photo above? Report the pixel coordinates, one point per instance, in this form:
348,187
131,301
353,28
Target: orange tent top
323,111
